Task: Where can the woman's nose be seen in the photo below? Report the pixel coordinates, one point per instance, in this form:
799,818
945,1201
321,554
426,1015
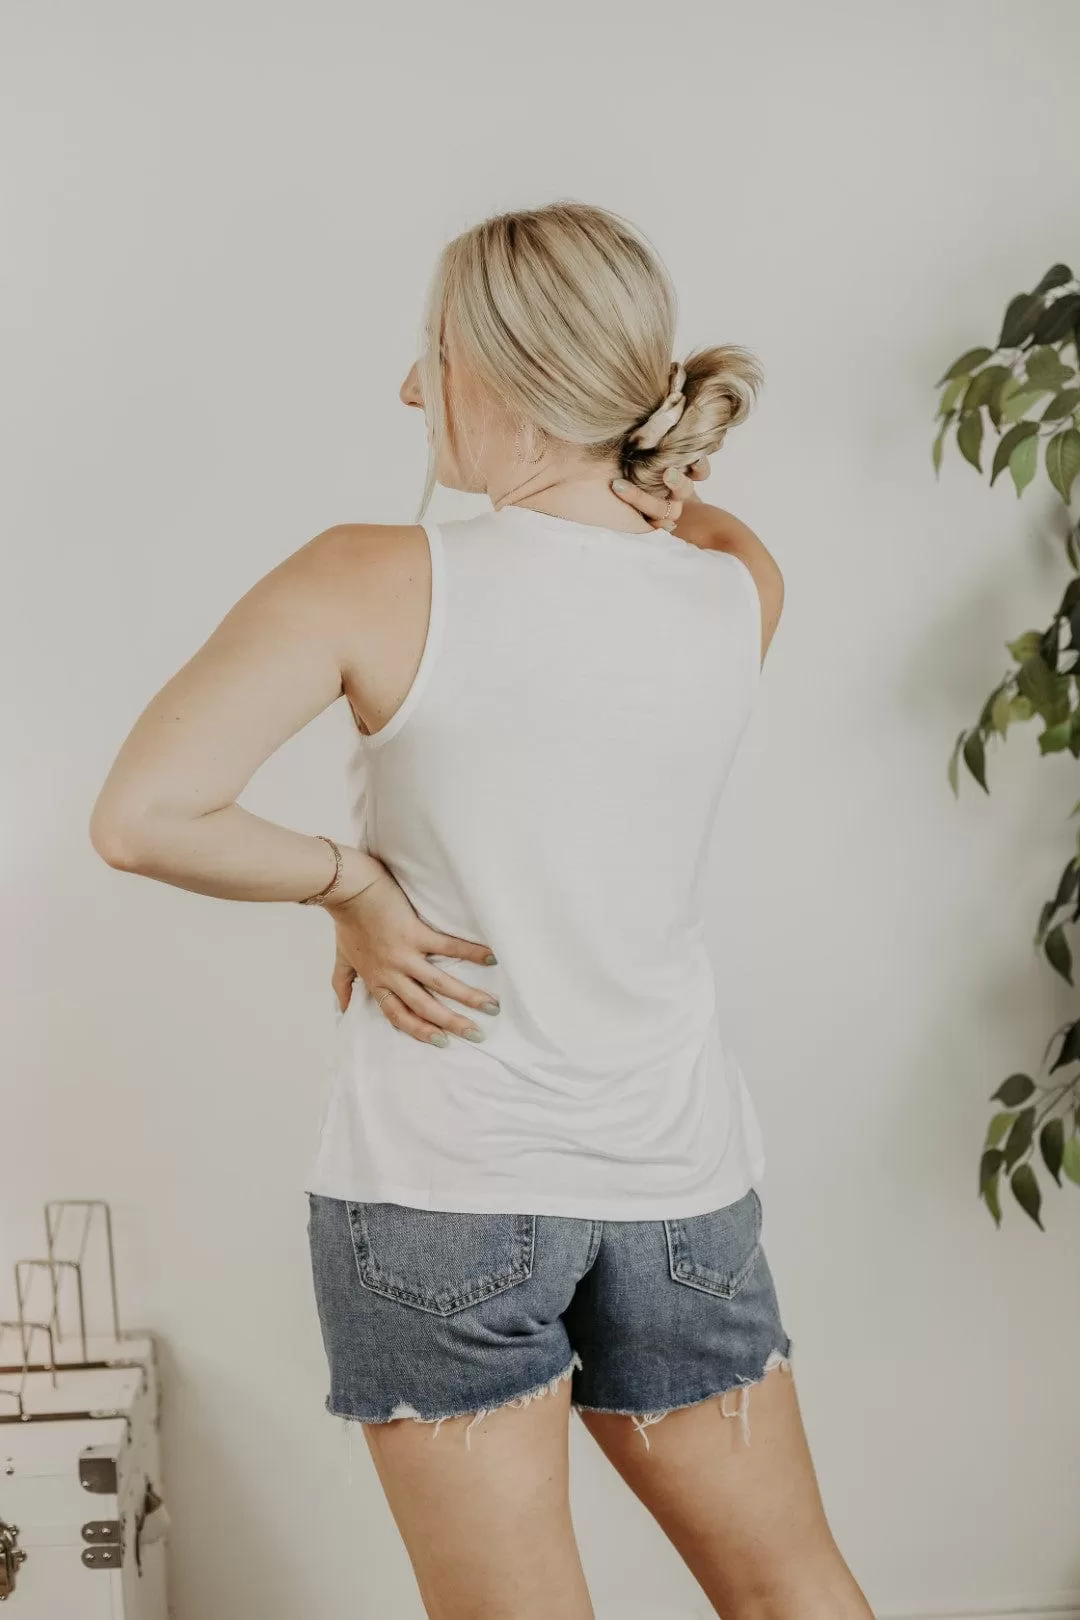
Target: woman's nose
409,393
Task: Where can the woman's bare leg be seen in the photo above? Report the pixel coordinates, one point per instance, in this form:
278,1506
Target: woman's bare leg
747,1519
487,1525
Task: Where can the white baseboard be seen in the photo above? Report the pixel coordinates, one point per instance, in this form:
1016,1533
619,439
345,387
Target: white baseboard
1050,1606
1065,1606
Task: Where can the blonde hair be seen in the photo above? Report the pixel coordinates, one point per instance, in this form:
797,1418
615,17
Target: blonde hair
567,315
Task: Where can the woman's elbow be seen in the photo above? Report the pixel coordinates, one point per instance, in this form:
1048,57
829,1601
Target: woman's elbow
114,838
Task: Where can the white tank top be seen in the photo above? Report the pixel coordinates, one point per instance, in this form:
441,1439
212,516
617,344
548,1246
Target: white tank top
549,787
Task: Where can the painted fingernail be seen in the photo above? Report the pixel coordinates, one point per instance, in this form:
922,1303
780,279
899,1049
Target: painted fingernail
489,1006
474,1035
439,1039
621,485
490,960
669,477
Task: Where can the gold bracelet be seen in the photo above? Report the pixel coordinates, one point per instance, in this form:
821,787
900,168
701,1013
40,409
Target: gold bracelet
316,899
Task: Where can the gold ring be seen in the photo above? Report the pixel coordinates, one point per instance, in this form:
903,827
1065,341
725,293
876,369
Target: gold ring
380,993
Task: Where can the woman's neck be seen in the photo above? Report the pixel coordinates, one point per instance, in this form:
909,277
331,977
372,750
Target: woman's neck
582,496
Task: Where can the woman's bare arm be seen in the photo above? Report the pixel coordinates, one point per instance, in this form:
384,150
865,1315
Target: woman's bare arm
716,530
168,807
712,529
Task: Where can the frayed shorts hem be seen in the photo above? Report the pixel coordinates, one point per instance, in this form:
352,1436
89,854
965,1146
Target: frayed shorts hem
405,1410
642,1420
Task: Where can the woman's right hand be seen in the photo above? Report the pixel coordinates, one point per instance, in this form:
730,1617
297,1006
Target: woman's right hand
382,942
666,513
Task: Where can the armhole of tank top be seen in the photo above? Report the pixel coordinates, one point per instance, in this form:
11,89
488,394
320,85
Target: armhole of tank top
753,596
432,643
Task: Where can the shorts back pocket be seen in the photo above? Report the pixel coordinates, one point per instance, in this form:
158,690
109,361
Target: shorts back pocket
439,1260
716,1252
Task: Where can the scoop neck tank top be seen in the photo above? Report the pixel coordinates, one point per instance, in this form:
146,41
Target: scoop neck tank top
549,786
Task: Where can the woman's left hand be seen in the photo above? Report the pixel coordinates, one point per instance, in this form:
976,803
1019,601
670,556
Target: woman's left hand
382,942
661,513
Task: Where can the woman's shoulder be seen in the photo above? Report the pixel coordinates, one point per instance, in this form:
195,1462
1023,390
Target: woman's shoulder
366,545
359,572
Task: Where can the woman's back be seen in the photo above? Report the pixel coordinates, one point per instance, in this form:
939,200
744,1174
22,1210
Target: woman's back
549,785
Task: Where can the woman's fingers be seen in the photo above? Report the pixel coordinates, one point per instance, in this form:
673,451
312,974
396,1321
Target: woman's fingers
426,1010
443,984
679,484
433,943
398,1013
664,513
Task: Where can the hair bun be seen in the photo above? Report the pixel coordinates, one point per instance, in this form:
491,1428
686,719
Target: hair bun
717,389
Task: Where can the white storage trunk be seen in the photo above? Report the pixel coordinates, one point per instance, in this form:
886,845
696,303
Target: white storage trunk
80,1489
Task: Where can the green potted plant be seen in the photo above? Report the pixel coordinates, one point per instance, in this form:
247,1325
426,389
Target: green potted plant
1026,391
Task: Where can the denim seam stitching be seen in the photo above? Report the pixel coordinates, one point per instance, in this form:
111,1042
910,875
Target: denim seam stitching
376,1281
700,1277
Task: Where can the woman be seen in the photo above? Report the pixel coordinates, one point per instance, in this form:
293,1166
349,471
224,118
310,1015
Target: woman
536,1180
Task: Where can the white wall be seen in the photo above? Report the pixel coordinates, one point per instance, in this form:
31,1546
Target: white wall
220,221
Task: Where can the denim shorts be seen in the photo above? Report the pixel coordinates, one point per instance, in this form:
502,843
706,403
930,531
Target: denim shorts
430,1315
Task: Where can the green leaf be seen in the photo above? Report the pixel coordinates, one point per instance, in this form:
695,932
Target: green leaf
1063,405
1012,385
969,437
1070,1048
1057,319
954,766
986,721
1022,708
990,1164
1043,688
1046,917
1025,646
1026,1191
966,364
1023,462
1069,1051
1055,634
1020,318
1045,368
1018,405
939,442
1070,1159
1015,1090
991,383
1058,953
1070,546
1052,1146
997,1128
989,1193
1020,1134
951,395
1054,277
1055,739
1001,712
981,387
975,758
1008,443
1063,461
1066,888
